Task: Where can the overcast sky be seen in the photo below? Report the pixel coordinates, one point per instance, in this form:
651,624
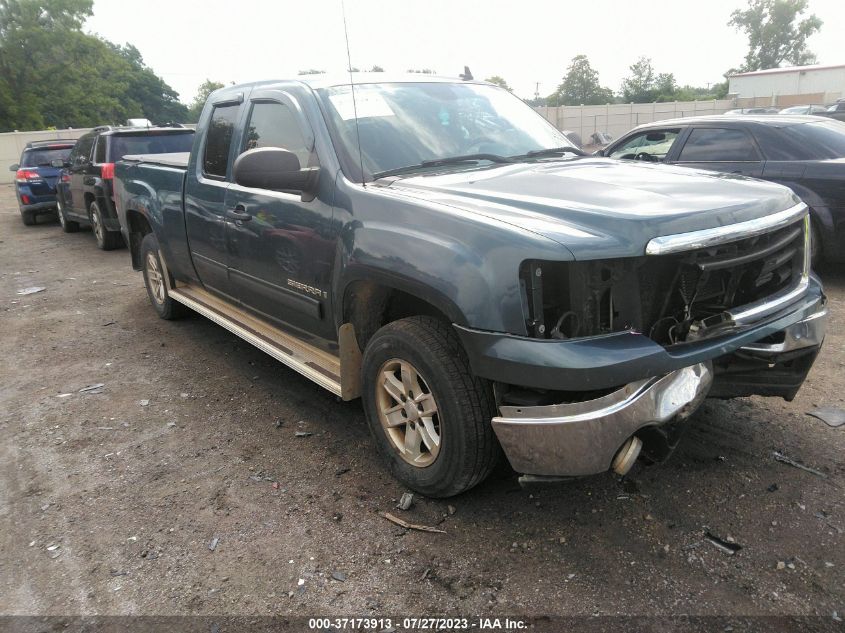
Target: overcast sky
524,41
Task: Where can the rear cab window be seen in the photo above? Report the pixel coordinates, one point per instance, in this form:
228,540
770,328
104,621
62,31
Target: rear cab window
218,141
706,145
149,143
653,145
44,156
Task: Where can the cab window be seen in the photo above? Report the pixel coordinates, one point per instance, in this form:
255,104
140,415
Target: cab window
273,124
719,145
651,146
221,127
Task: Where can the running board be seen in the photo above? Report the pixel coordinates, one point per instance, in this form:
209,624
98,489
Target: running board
324,368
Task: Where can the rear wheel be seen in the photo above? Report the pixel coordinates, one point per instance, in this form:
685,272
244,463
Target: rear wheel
154,280
106,240
28,217
429,415
68,226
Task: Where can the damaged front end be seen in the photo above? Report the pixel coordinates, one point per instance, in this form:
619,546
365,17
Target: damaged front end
621,352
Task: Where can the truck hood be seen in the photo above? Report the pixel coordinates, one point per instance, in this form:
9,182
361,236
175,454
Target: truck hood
598,207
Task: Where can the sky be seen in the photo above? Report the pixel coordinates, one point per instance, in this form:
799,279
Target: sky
524,41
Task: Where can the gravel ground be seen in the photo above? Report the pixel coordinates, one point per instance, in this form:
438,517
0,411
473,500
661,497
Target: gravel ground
181,487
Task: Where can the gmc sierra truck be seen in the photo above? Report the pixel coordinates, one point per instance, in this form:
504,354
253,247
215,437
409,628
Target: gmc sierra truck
436,248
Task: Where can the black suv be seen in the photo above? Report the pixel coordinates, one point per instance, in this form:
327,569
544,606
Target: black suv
85,194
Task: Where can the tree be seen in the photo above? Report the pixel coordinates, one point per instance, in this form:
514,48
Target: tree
499,81
376,69
639,87
775,33
205,89
424,71
311,71
580,86
54,75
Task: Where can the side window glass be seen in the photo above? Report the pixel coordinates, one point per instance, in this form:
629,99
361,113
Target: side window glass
100,150
218,141
650,146
274,125
718,145
83,150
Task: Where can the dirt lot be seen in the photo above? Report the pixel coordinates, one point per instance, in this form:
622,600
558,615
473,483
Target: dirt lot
109,503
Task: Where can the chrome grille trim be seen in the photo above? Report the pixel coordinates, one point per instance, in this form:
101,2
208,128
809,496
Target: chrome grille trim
710,237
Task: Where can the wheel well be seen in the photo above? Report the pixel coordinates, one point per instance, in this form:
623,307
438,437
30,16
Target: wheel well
368,306
139,226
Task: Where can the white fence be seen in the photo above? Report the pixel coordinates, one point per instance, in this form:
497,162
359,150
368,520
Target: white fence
12,144
618,118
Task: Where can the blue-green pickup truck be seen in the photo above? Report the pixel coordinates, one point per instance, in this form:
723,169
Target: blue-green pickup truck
438,249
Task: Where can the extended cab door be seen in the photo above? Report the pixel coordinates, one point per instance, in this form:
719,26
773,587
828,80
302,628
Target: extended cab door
282,244
205,195
729,150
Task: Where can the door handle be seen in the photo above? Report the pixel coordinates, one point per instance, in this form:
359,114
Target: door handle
238,214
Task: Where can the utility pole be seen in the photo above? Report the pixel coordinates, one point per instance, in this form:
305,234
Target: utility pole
537,90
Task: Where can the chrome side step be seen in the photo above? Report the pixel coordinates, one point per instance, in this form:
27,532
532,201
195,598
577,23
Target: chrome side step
316,364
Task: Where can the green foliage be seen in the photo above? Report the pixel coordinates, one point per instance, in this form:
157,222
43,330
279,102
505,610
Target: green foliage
311,71
376,69
499,81
580,86
775,33
205,89
53,74
643,85
424,71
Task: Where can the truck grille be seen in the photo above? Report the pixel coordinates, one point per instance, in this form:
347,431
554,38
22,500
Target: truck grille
674,297
704,284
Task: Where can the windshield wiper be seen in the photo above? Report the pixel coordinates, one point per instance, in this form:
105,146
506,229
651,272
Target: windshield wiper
551,151
437,162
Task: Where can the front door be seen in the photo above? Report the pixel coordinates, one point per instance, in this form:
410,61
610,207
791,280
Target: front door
205,197
77,171
282,245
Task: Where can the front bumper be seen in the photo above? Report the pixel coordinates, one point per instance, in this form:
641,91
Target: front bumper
582,438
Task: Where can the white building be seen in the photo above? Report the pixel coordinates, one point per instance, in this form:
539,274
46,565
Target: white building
789,86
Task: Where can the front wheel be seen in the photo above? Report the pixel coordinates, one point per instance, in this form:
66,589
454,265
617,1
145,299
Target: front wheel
429,415
106,240
154,280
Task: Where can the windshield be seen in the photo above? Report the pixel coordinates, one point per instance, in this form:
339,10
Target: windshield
44,157
404,124
150,143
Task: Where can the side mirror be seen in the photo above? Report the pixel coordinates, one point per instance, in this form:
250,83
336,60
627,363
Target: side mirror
276,169
58,162
14,167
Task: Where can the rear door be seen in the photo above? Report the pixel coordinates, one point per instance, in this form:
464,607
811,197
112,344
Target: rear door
281,245
80,161
729,150
205,197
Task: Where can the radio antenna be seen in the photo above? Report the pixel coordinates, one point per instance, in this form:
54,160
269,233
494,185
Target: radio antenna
352,87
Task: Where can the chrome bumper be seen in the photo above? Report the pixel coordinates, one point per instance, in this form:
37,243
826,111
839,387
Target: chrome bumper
808,332
582,438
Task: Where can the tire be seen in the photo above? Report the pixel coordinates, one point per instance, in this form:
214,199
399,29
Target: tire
452,449
28,218
68,226
154,280
106,240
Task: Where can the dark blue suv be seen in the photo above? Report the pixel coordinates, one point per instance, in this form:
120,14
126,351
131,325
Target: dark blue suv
37,174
